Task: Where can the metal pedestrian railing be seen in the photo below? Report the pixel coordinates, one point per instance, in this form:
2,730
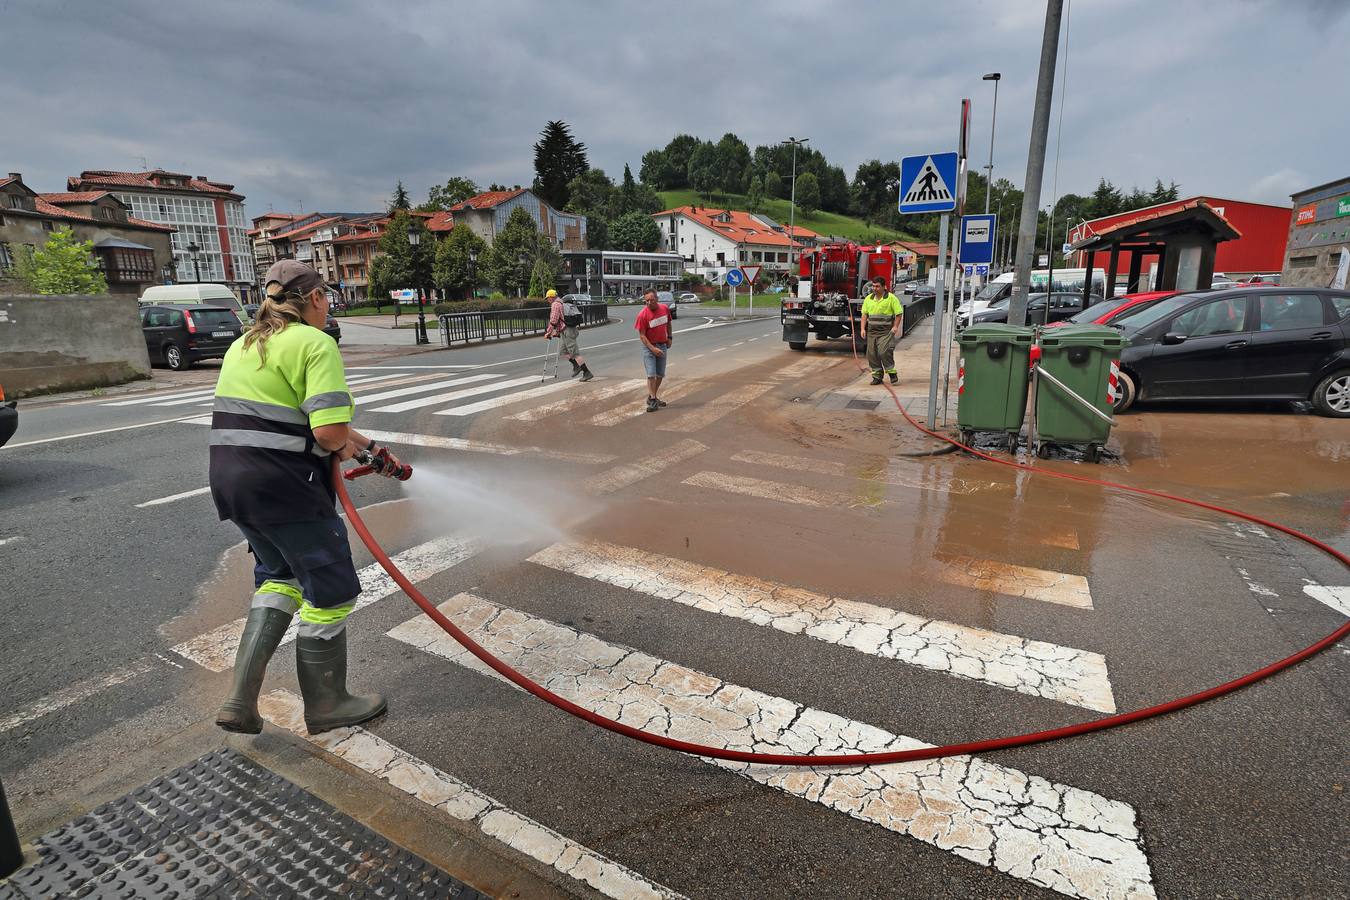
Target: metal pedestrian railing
915,313
501,324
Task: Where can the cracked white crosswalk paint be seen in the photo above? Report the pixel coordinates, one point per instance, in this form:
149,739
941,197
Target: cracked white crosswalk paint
799,494
460,394
1338,598
1015,581
441,791
75,693
715,408
424,388
1054,835
623,413
619,477
892,473
1037,668
567,404
215,649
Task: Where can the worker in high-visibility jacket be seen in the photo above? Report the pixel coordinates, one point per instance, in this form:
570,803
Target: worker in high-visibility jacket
882,317
282,408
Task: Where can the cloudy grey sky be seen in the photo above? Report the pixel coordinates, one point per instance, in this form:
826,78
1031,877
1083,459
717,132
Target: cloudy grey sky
324,105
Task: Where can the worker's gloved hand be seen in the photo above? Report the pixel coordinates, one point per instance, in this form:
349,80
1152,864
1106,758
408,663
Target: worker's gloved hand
392,464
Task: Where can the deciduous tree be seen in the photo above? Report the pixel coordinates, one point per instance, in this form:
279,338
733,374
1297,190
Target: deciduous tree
443,196
773,185
808,193
634,231
511,259
63,265
453,273
755,199
733,164
703,171
657,171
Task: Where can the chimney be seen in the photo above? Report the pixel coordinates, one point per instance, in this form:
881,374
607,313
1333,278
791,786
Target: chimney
17,176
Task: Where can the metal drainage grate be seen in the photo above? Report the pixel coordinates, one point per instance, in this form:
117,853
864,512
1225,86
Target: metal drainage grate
223,826
869,405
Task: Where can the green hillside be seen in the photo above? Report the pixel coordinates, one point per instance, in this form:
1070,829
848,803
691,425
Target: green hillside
819,221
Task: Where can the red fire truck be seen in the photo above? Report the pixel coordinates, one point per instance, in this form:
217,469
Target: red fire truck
832,281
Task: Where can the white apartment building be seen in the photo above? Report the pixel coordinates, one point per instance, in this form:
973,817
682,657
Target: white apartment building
710,240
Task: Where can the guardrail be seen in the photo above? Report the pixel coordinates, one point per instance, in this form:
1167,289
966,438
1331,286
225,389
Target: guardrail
915,313
502,324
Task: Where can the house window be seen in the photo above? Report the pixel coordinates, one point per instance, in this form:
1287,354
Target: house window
1302,262
6,257
47,225
15,201
107,213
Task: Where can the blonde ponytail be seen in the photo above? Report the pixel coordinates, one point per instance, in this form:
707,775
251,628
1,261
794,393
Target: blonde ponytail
278,309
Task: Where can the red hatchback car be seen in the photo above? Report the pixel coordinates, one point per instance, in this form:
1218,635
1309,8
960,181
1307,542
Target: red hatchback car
1107,312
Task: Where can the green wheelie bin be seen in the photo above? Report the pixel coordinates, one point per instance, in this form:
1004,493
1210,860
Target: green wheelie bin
991,393
1084,359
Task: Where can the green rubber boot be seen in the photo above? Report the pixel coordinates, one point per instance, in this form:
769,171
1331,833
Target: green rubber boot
262,633
321,665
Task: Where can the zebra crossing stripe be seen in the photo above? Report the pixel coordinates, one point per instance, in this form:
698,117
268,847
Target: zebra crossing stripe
1054,835
715,409
460,394
878,469
457,799
1036,668
1016,581
798,494
158,397
567,404
803,367
215,649
509,399
633,411
423,388
622,476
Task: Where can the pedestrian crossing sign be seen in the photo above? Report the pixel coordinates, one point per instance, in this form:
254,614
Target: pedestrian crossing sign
928,183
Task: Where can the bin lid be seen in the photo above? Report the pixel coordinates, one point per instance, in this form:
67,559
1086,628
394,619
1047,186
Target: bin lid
995,332
1102,336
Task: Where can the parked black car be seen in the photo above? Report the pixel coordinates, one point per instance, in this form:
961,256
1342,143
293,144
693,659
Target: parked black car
1041,309
179,336
1253,343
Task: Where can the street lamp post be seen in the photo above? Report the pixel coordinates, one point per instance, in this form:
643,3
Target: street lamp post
995,77
415,238
193,250
524,260
473,273
792,210
589,265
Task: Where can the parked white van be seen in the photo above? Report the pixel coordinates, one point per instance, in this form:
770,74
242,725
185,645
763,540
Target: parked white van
195,295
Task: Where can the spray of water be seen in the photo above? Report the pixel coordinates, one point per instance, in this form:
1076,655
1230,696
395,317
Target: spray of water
498,509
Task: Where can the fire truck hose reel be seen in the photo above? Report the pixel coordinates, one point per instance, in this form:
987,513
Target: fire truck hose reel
987,745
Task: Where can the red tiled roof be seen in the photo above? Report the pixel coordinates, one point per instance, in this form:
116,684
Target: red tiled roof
6,180
61,199
143,180
51,209
305,229
357,237
741,229
922,248
440,222
488,199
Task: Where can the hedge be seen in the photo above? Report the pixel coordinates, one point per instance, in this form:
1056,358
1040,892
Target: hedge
462,306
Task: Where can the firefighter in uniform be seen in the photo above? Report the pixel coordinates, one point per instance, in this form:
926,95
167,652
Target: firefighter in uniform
882,316
281,410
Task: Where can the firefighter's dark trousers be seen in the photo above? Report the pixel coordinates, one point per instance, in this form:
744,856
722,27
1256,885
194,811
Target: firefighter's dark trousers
881,351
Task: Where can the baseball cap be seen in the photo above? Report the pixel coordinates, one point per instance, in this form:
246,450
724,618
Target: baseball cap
294,276
551,293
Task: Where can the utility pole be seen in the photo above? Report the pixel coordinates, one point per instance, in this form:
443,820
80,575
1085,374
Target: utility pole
792,211
995,77
1031,187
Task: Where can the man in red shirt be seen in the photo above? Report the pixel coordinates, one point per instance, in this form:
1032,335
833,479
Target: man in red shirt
653,328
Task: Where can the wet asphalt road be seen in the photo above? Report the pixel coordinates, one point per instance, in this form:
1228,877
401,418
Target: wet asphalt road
1240,797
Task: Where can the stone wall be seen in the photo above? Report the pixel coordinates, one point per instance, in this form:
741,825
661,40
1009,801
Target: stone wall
60,343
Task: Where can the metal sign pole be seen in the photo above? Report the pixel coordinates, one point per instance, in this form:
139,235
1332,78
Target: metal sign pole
939,321
950,316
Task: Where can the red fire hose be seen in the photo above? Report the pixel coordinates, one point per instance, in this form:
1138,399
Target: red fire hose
895,756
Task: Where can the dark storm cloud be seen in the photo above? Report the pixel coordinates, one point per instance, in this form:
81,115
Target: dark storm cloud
326,104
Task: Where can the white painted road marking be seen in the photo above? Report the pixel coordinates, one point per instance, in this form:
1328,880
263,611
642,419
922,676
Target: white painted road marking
425,388
632,411
1038,668
777,490
172,497
509,399
1338,598
435,788
697,356
157,396
715,408
471,446
11,540
1054,835
804,367
567,404
215,649
83,434
459,394
74,694
622,476
1015,581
